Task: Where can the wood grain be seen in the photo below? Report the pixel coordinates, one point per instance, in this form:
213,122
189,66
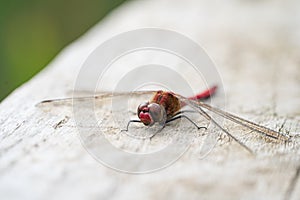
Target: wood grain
255,46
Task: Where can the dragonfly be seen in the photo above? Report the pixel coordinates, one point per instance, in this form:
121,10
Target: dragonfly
165,107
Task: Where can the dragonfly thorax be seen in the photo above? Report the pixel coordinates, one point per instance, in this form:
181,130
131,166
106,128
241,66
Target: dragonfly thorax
149,113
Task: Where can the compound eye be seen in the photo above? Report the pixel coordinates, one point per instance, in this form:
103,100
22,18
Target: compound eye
157,112
143,107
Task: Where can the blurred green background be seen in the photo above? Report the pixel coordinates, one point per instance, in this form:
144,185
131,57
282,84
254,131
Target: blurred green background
32,32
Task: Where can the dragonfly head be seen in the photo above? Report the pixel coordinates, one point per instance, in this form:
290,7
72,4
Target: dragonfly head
149,113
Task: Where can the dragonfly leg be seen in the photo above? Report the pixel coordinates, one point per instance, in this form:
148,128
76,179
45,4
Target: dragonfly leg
179,116
163,126
129,122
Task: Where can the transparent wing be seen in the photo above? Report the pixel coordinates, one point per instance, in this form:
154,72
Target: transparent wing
246,123
94,97
102,110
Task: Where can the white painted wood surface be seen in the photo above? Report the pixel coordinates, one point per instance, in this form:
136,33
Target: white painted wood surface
255,46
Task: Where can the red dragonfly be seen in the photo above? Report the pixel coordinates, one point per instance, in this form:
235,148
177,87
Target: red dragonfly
165,107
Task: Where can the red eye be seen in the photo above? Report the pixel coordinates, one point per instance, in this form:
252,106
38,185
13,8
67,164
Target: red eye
149,113
143,113
143,107
157,113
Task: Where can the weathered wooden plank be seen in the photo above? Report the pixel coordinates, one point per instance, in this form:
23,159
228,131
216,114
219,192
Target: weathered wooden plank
255,46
